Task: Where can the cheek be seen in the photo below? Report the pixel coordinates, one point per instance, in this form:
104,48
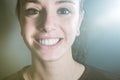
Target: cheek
28,29
70,27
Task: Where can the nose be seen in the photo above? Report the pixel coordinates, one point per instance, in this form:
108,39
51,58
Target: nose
47,21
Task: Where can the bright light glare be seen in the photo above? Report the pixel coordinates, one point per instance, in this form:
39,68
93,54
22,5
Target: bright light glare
111,16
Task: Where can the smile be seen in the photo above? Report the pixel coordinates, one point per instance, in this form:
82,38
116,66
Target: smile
45,43
49,42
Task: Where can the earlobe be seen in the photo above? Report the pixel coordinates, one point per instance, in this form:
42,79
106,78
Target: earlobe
78,32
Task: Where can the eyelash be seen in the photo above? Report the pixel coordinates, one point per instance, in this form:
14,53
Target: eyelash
33,11
63,11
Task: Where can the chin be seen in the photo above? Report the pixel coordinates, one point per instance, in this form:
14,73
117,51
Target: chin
52,55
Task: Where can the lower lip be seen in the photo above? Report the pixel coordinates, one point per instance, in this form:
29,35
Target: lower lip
48,46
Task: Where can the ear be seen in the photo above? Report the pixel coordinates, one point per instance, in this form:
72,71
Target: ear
81,16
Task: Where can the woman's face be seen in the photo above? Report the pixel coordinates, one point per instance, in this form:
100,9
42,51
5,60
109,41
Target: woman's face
50,27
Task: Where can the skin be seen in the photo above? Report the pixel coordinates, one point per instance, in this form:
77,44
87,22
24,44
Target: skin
56,19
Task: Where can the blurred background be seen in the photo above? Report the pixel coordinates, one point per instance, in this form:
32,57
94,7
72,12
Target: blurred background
100,37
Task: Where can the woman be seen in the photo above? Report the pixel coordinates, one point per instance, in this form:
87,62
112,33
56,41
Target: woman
49,28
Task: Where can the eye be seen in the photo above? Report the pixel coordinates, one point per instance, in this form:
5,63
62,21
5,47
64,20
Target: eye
31,12
63,11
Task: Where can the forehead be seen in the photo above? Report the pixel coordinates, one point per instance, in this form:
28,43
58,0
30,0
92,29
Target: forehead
60,1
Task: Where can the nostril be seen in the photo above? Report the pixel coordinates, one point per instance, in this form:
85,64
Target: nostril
42,29
47,26
46,29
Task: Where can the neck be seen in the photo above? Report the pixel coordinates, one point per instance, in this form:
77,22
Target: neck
61,69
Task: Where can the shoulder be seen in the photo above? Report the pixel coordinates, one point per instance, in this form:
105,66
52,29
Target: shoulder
16,76
92,73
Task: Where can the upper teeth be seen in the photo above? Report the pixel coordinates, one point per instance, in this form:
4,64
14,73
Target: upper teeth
48,41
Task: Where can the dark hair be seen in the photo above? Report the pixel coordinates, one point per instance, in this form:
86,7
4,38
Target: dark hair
21,4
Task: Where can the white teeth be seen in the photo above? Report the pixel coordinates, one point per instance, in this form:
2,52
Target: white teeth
48,41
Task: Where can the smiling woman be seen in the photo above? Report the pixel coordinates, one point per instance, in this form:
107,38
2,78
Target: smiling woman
49,29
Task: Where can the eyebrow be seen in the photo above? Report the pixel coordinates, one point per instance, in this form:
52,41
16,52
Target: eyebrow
57,2
64,1
33,1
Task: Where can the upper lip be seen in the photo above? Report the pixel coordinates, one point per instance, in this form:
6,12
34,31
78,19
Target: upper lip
48,37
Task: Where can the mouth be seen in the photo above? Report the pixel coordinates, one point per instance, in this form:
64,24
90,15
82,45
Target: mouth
49,42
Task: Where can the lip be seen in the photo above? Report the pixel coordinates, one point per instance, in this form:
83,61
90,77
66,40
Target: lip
42,46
